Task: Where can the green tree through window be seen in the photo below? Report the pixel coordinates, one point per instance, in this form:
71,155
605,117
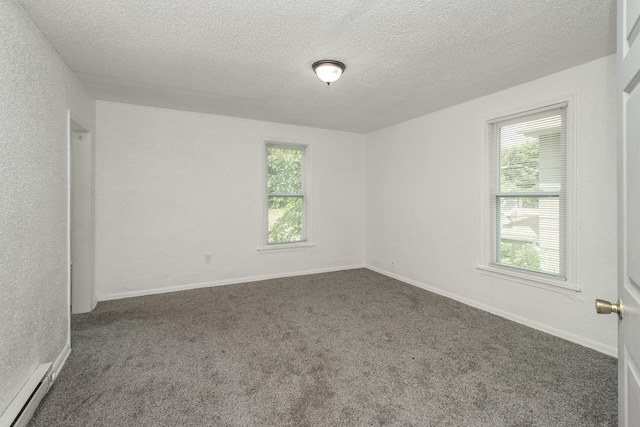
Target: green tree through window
519,171
519,167
285,194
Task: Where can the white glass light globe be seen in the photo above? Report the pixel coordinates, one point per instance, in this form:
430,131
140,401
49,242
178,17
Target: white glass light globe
328,70
328,73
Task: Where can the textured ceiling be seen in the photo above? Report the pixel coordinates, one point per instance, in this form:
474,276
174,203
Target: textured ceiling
252,58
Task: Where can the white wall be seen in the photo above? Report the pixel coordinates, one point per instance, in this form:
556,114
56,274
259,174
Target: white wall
173,186
36,90
423,205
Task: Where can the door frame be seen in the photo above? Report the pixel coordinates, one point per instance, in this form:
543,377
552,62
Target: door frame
88,174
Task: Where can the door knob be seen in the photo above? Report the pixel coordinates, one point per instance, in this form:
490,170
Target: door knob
605,307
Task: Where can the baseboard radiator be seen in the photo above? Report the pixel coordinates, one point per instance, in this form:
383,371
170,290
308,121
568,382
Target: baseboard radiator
24,405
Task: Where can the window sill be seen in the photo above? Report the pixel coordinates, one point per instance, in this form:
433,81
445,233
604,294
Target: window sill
538,281
294,247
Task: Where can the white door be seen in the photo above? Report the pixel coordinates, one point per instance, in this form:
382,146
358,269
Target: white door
629,213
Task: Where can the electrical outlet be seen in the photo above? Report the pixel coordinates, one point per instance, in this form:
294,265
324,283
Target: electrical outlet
208,258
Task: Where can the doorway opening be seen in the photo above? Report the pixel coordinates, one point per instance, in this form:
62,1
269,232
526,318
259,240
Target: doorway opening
81,218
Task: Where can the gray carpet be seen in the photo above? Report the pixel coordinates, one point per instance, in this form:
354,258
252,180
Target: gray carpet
345,348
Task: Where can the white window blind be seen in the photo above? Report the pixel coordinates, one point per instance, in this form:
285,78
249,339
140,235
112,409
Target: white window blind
528,190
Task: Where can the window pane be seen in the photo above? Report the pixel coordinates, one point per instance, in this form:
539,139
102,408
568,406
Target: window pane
284,170
285,219
529,232
531,155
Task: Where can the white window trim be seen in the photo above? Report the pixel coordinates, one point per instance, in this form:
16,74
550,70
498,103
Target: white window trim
306,243
517,275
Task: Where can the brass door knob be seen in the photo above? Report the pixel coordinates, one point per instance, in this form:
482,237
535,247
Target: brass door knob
605,307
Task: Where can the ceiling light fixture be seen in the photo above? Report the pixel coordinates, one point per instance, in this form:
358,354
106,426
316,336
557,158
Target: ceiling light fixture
328,70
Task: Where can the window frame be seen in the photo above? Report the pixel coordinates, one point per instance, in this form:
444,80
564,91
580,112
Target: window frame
488,221
305,242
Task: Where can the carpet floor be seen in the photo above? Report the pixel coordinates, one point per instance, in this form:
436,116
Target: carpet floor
348,348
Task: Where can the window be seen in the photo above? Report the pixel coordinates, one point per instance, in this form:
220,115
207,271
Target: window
527,194
286,198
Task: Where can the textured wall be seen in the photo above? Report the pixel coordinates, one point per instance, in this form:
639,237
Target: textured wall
173,186
423,205
36,89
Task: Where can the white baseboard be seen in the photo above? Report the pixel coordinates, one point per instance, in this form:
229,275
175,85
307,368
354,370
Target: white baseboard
606,349
25,403
130,294
60,361
27,400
